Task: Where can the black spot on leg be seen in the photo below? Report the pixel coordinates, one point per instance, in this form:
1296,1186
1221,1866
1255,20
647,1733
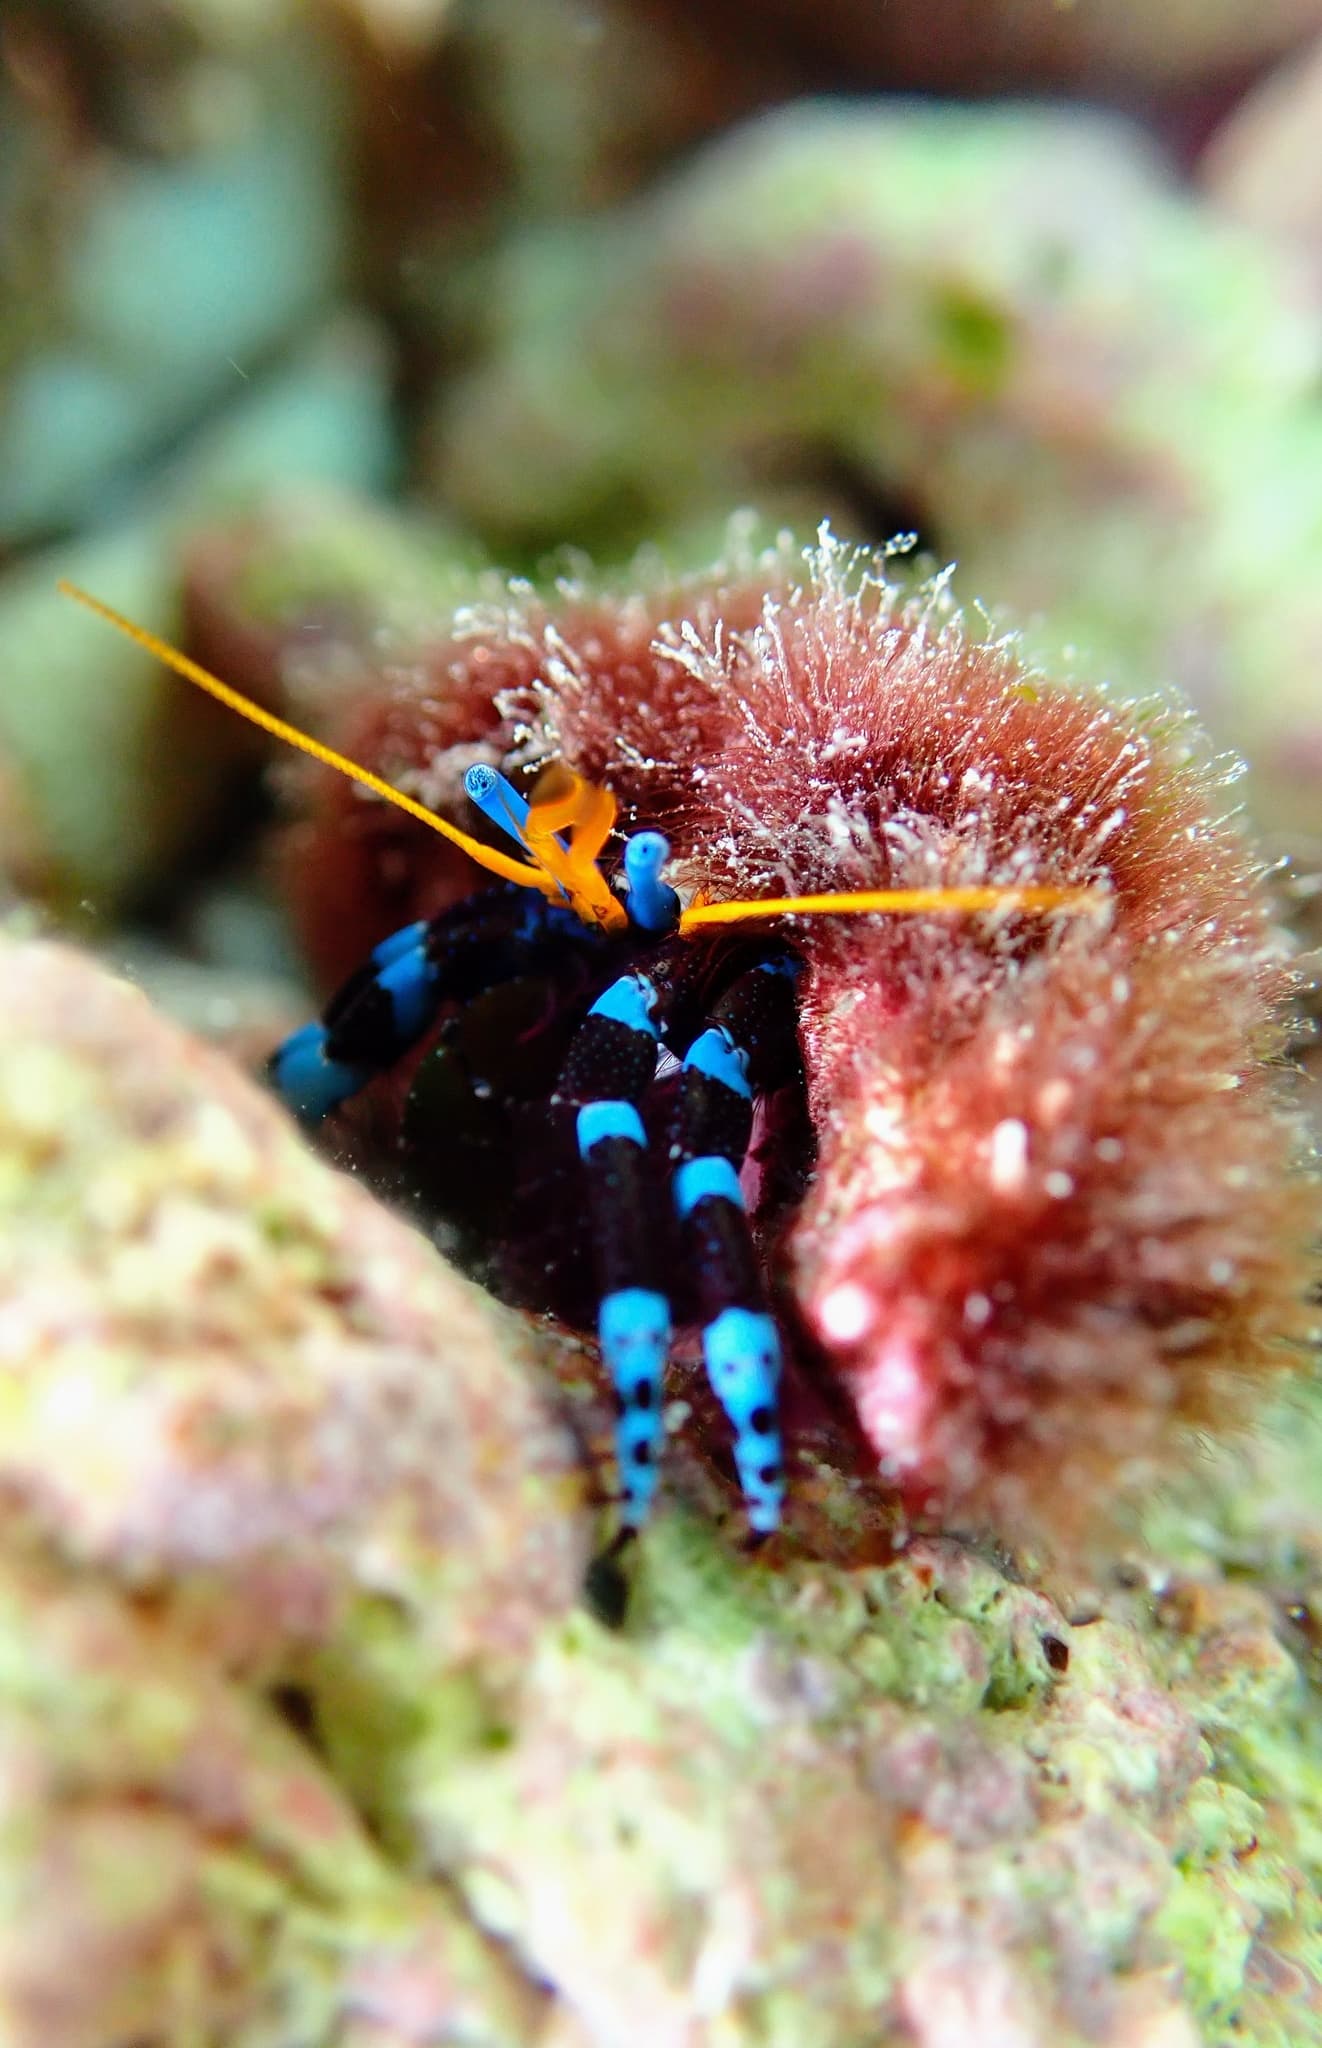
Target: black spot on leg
770,1475
762,1422
642,1454
642,1395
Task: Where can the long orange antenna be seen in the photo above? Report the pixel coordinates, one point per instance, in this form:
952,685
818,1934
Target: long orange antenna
899,902
587,812
486,856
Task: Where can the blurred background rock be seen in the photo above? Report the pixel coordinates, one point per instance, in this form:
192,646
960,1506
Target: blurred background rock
596,272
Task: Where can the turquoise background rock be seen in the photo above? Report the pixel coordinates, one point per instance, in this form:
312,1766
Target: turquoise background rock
171,283
122,764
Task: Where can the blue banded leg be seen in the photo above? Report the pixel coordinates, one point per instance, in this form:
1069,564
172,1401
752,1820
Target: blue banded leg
389,1002
380,1010
606,1073
748,1047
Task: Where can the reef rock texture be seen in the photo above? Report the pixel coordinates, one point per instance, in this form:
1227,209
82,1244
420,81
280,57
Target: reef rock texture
1055,1218
241,1405
1006,327
288,1444
305,1737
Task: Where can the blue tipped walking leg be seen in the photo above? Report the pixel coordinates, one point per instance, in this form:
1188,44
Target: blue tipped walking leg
383,1007
606,1073
746,1049
395,997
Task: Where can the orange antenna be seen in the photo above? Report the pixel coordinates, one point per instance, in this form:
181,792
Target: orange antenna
898,902
182,664
564,802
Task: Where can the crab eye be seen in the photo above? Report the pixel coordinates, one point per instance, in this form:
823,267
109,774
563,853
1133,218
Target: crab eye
652,904
498,800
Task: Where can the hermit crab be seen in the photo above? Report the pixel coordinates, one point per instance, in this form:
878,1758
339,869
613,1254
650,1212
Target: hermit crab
900,1018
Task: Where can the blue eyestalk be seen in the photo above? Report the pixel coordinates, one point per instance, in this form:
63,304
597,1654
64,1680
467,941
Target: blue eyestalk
497,799
651,903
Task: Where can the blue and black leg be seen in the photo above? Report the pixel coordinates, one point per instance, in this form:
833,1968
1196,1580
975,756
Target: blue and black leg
747,1049
608,1071
395,997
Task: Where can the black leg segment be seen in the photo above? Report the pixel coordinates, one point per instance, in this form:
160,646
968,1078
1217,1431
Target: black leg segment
394,998
608,1071
748,1048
